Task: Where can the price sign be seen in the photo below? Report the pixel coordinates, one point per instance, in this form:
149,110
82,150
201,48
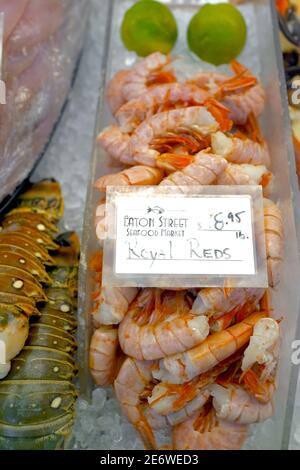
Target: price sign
199,239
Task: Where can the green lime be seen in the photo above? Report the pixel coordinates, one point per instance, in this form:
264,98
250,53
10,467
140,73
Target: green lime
149,26
217,33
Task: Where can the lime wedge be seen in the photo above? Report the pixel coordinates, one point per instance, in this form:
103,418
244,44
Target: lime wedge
217,33
149,26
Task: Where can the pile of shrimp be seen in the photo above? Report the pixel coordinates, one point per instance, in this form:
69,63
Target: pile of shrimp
199,362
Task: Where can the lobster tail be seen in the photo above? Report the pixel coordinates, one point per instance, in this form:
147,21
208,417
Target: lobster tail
37,398
43,198
26,238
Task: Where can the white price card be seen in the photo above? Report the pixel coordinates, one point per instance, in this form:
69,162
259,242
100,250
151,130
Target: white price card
192,238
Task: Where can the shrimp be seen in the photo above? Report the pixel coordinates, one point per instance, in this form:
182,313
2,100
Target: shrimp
103,357
161,421
241,105
178,131
155,421
260,360
167,399
206,431
101,223
112,304
242,94
114,92
234,316
116,143
262,344
228,174
204,168
216,348
215,302
135,176
128,84
274,235
209,81
235,404
196,121
146,73
157,99
159,323
245,174
183,400
240,150
131,385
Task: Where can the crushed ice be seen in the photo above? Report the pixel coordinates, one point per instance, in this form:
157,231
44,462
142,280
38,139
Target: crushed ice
100,424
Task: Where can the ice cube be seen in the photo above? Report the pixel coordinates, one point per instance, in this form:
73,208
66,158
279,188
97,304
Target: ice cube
99,398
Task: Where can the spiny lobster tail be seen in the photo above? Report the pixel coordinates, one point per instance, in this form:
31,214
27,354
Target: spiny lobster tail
37,398
26,238
35,235
37,221
44,198
65,272
21,259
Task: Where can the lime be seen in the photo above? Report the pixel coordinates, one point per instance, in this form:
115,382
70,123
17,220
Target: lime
217,33
149,26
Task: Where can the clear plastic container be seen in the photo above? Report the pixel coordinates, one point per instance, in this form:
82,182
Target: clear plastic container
262,54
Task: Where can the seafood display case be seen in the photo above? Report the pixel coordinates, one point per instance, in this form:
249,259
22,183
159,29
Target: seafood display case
262,56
